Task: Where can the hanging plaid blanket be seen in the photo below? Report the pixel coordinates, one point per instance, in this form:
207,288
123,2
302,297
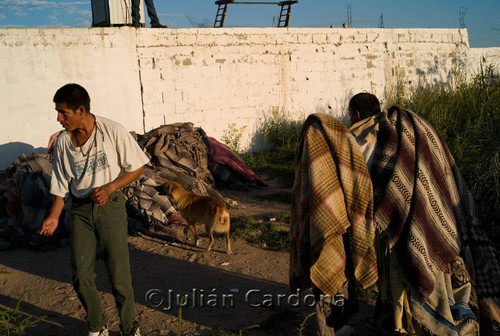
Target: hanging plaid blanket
411,174
332,194
427,216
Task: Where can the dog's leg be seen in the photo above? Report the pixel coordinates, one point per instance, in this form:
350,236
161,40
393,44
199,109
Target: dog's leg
228,243
211,237
193,230
186,229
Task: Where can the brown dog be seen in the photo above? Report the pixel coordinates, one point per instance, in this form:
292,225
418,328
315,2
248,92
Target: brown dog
199,209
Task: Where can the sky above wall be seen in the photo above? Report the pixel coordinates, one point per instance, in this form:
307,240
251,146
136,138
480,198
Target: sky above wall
481,17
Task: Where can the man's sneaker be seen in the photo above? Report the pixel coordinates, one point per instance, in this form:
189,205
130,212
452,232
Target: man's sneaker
104,332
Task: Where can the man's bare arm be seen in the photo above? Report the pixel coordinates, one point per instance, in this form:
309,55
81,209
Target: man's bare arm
50,223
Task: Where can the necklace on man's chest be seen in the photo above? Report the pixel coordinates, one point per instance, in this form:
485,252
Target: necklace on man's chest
93,142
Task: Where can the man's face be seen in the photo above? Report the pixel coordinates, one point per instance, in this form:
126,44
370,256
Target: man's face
68,118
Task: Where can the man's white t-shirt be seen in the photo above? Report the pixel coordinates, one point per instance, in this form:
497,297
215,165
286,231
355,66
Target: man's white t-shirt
109,151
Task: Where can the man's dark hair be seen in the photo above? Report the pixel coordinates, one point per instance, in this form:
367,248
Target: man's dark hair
365,103
74,96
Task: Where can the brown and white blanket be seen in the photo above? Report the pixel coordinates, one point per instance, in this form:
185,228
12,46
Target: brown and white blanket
332,194
427,216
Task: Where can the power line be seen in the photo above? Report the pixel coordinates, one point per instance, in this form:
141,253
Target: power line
349,16
381,21
461,16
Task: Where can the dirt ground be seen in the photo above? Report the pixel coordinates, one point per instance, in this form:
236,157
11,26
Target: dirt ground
236,291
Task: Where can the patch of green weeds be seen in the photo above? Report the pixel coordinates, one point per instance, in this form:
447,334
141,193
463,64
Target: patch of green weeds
300,330
279,130
179,315
283,216
232,137
368,295
279,134
273,235
242,221
230,332
15,323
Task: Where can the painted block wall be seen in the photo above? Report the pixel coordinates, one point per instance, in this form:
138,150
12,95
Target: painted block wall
482,59
222,77
212,77
34,63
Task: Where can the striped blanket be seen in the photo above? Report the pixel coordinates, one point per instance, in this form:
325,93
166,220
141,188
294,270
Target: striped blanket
411,178
427,217
332,195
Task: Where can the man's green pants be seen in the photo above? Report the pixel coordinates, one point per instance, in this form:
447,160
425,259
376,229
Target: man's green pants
108,225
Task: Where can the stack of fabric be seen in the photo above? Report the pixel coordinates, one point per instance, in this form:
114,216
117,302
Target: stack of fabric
177,152
25,187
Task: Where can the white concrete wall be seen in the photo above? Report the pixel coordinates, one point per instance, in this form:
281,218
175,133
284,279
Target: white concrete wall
211,77
34,63
218,77
480,60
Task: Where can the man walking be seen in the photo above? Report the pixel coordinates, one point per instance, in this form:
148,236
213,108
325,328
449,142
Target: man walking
93,159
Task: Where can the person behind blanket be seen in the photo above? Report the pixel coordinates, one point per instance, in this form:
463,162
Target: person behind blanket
362,106
93,159
136,15
391,304
424,212
332,232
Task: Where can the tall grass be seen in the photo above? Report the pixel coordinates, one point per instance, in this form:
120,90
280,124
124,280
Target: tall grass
280,134
273,235
468,118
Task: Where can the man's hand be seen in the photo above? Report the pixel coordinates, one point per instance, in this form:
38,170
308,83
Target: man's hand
49,225
100,195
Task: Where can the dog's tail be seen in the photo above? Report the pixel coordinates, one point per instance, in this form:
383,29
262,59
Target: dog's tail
223,220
